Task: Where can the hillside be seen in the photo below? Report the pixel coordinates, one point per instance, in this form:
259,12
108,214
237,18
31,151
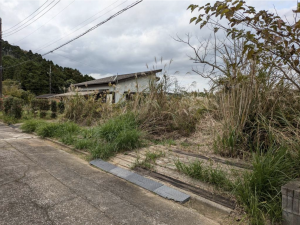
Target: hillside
33,74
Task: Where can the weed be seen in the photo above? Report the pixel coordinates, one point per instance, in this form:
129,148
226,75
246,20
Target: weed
259,191
30,126
214,176
48,130
68,139
115,126
164,142
149,161
9,119
84,144
185,144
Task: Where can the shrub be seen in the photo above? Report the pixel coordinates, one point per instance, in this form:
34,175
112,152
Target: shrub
61,107
53,106
16,108
53,115
53,109
44,104
8,104
43,114
13,107
34,104
1,104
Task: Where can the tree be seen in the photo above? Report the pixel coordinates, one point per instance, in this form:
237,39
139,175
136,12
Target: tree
269,40
33,74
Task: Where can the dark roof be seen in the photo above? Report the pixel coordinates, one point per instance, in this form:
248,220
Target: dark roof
113,79
45,96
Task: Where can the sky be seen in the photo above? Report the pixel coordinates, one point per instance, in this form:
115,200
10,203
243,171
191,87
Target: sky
138,40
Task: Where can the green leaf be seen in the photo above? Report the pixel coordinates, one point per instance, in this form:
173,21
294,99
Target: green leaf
192,19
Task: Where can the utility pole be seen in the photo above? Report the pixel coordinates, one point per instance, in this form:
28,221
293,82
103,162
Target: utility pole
1,58
50,80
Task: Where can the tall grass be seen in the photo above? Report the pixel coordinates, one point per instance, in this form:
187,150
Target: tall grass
161,113
156,111
257,112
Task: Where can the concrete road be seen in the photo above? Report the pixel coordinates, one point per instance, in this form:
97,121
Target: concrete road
41,184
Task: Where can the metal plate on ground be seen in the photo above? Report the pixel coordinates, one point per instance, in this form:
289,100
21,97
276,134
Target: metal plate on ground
171,193
144,182
120,172
102,165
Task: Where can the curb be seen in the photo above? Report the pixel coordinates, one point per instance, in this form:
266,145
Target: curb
146,183
66,146
52,140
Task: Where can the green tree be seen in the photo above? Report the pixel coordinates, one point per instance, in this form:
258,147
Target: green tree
32,71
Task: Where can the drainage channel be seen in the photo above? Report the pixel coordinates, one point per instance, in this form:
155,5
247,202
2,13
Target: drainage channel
187,187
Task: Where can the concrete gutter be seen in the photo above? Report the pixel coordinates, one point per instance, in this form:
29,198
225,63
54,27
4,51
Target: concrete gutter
146,183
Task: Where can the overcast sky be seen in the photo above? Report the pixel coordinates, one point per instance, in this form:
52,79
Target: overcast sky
125,44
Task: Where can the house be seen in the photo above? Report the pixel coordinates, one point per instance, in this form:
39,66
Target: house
45,96
116,88
50,97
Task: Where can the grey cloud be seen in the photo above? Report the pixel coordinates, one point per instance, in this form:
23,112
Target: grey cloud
123,45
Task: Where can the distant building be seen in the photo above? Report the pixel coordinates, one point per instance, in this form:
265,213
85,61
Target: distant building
47,96
117,87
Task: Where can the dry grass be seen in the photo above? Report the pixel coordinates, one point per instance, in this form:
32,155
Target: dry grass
257,114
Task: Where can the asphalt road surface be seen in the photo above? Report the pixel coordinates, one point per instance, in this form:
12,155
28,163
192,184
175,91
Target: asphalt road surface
42,184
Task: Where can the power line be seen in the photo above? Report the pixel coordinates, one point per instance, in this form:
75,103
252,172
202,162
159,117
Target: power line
46,22
20,26
89,30
96,26
32,21
51,43
26,17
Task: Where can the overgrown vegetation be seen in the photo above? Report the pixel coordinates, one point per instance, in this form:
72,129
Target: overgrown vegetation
254,73
158,112
13,107
254,102
149,161
214,176
116,135
258,191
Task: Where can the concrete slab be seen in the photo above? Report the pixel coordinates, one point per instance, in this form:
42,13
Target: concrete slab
120,172
151,185
143,182
171,193
102,165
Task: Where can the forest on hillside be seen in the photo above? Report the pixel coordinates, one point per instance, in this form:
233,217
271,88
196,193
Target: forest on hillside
32,75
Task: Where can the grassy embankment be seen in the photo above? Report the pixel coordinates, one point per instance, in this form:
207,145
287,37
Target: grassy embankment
117,134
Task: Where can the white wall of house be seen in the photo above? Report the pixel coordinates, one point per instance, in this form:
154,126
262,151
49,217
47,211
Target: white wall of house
135,85
139,84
